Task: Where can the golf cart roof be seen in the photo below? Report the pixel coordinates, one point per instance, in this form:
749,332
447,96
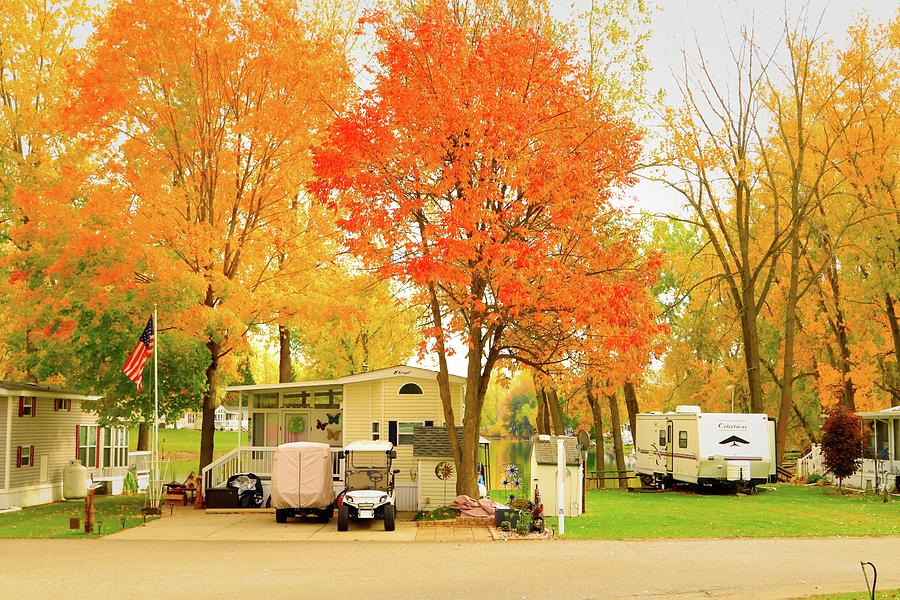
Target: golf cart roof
369,446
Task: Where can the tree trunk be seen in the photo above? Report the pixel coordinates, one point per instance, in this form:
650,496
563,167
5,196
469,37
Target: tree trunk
631,404
556,416
787,379
895,335
616,426
541,411
143,441
208,424
751,354
285,372
594,403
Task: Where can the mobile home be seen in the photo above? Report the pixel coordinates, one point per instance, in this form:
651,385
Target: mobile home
704,448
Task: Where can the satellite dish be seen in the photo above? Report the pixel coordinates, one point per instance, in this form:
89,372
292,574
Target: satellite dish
584,440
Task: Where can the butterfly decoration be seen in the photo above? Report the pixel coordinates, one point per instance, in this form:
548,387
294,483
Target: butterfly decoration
334,419
321,425
333,434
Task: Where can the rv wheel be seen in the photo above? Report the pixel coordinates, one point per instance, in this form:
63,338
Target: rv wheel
343,517
389,517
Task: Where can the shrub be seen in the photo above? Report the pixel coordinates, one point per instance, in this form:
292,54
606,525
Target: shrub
505,525
523,526
813,478
842,442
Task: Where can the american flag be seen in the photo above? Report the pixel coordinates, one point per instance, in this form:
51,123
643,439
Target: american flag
134,366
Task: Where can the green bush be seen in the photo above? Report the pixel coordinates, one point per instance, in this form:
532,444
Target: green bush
442,513
813,478
524,524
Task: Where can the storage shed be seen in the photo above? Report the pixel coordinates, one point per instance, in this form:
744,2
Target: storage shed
435,467
544,470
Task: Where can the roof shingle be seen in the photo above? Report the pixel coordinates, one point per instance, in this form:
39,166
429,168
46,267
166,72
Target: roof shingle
545,451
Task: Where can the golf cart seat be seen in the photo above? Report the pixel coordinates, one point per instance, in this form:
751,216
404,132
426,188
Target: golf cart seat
366,479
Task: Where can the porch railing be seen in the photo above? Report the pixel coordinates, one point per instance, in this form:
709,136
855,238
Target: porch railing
254,459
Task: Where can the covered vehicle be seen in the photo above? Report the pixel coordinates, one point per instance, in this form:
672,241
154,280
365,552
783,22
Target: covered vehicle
301,481
370,484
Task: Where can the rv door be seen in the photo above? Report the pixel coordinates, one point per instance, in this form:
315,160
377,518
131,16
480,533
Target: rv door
670,447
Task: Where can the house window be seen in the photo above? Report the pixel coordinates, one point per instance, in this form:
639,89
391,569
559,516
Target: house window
265,401
62,404
115,447
405,433
376,430
27,406
25,456
662,437
87,445
682,439
410,388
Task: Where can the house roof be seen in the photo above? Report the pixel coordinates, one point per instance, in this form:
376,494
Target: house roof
435,441
395,371
15,388
886,413
545,450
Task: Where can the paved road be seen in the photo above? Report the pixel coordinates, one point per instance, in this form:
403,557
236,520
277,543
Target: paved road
123,568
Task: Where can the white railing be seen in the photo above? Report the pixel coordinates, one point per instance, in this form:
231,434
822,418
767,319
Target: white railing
139,461
811,463
257,460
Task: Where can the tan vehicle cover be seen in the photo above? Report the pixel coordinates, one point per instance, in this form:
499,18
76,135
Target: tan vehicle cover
301,476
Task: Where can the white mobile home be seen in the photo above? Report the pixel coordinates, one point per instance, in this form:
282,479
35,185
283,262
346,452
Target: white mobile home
41,430
704,448
386,404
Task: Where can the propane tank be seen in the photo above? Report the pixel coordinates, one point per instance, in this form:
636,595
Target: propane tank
75,480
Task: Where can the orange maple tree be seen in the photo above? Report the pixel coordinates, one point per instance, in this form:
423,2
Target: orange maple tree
478,170
205,113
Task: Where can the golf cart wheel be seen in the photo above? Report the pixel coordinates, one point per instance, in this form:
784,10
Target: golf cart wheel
389,514
343,517
325,514
281,515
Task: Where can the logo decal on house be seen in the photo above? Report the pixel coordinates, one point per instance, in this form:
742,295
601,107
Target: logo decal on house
734,440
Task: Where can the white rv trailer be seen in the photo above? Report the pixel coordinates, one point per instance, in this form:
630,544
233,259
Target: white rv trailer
704,448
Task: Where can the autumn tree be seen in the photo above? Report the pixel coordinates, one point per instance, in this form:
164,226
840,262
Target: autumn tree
477,170
842,442
209,110
354,321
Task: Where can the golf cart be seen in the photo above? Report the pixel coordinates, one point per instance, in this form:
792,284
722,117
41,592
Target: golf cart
369,484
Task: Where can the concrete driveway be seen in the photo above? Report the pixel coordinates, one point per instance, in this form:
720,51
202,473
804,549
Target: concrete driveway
185,524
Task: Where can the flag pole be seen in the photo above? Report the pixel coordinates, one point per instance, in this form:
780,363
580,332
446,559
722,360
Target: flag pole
154,499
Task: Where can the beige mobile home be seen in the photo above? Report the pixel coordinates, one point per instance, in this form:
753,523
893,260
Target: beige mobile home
41,430
386,404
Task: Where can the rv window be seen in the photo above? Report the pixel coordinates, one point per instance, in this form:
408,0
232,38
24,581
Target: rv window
662,437
682,439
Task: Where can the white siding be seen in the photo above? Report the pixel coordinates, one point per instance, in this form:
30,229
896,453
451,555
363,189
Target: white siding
51,433
434,492
3,451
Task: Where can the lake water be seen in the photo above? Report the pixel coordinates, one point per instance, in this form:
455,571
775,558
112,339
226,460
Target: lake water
511,451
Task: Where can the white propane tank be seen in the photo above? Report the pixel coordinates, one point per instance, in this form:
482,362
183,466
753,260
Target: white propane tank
75,480
738,470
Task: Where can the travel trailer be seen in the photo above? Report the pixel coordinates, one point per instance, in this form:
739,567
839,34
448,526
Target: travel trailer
704,448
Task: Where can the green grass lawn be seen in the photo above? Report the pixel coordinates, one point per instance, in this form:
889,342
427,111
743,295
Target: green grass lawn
785,511
879,595
188,440
181,448
52,520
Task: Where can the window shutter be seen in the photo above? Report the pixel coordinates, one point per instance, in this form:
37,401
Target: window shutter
56,405
18,456
97,461
31,458
21,406
392,432
69,405
77,432
33,405
429,423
